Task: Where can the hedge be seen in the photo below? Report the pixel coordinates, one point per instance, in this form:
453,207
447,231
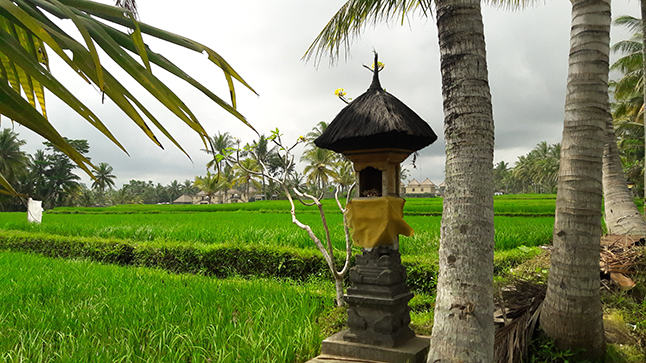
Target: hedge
220,260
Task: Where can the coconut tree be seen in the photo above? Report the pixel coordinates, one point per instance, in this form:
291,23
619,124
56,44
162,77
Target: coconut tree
209,184
572,314
539,168
28,25
174,190
13,161
316,132
320,168
188,188
463,325
219,142
103,177
621,214
345,175
262,153
633,64
246,173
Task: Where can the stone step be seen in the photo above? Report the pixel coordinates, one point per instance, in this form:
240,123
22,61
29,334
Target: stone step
324,358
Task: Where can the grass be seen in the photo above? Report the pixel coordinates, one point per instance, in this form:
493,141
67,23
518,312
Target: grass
78,311
261,229
504,205
67,306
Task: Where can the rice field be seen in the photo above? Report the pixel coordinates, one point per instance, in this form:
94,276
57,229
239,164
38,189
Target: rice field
78,311
267,229
504,205
57,310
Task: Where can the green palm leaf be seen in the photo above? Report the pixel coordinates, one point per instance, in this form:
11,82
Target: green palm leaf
26,26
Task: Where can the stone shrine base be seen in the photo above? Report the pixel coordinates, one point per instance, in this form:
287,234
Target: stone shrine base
335,349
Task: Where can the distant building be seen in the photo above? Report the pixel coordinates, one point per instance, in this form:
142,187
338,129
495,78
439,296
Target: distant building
425,187
231,196
184,199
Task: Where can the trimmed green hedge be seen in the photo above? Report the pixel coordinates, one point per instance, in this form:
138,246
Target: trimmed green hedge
219,260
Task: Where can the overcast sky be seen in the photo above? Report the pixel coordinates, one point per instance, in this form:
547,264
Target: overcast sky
265,40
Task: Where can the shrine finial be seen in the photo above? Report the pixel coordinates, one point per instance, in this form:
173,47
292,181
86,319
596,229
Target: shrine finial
375,75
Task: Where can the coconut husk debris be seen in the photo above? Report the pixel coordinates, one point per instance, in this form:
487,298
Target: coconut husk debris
518,307
620,259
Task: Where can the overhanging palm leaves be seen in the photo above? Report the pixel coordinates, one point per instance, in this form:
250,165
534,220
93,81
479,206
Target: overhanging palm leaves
25,28
353,17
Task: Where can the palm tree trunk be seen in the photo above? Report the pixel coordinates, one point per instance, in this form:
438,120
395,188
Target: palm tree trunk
463,329
572,314
621,214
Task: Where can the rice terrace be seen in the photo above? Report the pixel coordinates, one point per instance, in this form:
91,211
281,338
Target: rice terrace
220,283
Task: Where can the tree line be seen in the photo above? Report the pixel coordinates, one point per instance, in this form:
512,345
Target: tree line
323,168
48,174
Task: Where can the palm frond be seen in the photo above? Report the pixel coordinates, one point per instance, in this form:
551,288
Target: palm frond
26,26
633,24
632,45
352,19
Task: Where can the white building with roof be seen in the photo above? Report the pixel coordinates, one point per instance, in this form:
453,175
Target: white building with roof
426,187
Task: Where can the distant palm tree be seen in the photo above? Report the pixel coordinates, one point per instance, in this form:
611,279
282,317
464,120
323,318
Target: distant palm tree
104,177
263,154
316,132
220,143
244,174
174,190
321,168
539,168
209,184
13,161
187,188
345,174
37,181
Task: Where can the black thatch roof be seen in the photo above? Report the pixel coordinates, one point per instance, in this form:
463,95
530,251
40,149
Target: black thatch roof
376,120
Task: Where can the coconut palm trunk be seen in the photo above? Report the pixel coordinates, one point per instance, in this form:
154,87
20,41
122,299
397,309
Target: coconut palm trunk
572,314
621,214
463,329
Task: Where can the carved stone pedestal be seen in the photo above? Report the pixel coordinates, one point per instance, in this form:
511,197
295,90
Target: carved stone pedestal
378,312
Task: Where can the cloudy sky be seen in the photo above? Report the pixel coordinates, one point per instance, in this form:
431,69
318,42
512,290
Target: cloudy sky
265,40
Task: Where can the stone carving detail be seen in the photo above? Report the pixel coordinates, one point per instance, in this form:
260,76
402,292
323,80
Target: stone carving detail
378,312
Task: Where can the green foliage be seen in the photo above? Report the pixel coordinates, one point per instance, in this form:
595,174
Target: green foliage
537,171
28,25
216,259
77,311
505,260
627,108
220,260
543,350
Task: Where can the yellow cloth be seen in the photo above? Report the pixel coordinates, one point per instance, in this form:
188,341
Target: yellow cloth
377,221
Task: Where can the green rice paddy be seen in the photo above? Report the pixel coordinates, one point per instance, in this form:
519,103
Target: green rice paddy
77,311
267,229
74,311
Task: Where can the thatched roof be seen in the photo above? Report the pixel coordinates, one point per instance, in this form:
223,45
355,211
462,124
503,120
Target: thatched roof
184,199
376,120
